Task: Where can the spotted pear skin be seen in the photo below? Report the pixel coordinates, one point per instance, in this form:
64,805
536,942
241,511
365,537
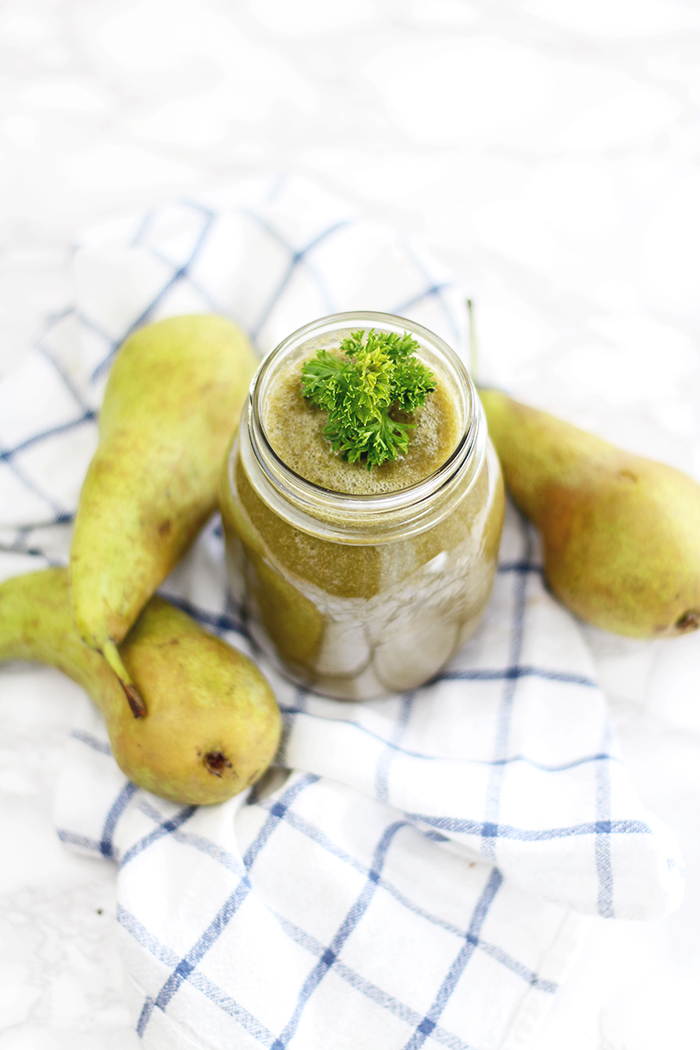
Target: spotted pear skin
621,533
212,726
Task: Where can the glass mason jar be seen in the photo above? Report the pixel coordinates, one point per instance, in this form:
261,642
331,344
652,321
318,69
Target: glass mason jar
371,590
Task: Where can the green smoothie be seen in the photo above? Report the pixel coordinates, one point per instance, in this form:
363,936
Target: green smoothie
361,583
295,430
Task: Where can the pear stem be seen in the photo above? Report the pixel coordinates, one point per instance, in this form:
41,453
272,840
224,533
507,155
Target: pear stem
473,343
111,655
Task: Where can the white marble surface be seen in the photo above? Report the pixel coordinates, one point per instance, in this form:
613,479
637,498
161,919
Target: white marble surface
548,151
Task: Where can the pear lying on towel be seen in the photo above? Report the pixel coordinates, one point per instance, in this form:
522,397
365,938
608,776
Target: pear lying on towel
172,401
213,724
621,533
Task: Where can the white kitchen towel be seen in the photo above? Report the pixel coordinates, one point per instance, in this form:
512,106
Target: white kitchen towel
414,871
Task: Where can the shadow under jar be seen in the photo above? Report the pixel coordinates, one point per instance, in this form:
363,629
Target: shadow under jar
361,583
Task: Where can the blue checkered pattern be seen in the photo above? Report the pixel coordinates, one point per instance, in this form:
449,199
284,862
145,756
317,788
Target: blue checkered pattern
414,870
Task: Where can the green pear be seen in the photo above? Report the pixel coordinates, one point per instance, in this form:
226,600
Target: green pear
213,724
172,401
621,533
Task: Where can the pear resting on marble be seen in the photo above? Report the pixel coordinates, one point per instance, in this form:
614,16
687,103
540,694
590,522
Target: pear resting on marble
213,724
620,533
172,401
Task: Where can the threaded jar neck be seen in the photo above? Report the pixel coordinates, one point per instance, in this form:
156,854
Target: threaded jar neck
349,517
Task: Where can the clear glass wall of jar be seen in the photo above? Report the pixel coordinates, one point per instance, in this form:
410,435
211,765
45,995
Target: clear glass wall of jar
358,595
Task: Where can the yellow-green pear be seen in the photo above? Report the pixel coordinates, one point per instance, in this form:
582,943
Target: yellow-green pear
213,724
621,533
172,401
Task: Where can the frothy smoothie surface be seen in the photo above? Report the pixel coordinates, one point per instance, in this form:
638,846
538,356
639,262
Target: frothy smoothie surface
294,428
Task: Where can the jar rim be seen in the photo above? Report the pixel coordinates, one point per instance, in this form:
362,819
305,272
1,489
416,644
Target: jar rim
312,495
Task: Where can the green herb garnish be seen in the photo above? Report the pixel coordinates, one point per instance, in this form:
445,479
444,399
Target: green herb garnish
379,374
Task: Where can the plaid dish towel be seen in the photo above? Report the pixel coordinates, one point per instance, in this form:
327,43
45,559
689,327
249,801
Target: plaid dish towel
414,871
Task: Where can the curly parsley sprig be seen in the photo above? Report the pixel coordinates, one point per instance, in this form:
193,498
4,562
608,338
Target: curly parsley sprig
379,373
